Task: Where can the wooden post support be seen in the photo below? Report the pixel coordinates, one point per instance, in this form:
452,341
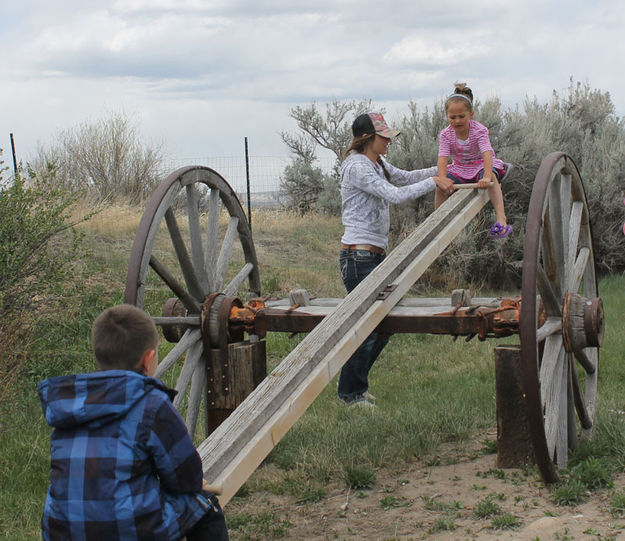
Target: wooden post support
233,378
301,297
461,297
514,445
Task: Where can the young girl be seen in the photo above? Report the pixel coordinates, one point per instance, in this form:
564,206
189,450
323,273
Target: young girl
466,141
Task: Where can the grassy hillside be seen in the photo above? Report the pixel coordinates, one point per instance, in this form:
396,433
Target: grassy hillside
431,390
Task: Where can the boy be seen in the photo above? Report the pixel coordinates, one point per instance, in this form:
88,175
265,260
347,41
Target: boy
123,466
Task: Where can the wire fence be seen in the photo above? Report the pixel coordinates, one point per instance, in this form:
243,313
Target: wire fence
265,174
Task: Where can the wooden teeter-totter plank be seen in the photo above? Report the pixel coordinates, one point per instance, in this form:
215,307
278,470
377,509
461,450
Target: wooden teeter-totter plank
238,446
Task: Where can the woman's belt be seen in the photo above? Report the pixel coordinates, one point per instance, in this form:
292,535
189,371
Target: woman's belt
368,247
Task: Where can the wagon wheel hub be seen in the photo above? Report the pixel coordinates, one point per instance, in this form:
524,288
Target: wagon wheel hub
215,321
582,322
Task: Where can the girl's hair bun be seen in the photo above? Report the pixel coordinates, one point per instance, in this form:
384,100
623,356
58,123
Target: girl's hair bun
462,88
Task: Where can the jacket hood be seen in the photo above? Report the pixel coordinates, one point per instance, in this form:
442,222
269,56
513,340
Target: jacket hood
94,399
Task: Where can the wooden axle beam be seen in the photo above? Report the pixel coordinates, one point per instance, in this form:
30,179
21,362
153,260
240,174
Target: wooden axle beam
483,321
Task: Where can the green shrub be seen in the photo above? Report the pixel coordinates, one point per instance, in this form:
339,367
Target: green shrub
106,158
38,244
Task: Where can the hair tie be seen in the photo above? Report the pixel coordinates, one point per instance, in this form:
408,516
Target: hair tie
460,96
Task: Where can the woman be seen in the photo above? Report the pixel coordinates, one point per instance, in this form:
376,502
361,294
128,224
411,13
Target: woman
368,185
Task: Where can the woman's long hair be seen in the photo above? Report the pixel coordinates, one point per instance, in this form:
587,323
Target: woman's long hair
359,144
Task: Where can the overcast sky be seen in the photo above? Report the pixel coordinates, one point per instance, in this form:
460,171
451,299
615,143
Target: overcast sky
199,76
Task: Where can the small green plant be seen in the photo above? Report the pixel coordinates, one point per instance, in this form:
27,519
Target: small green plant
487,507
563,536
569,492
389,502
489,447
593,473
617,504
432,504
442,524
359,477
505,522
495,473
311,494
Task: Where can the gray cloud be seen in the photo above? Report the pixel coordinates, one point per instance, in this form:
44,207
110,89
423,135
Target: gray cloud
72,59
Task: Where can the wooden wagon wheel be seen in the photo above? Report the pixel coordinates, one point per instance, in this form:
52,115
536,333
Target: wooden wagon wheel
199,276
561,322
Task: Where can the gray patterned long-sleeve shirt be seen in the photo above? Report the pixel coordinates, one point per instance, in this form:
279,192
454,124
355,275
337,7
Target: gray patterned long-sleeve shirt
366,195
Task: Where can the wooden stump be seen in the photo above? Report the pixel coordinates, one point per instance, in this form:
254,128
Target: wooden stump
232,376
514,444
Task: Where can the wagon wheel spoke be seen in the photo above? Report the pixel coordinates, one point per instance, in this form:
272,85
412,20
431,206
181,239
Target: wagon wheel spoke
225,253
587,364
555,404
549,364
552,250
189,302
580,404
565,217
186,266
191,364
197,250
177,320
573,241
231,289
212,237
547,294
552,326
578,269
198,385
190,338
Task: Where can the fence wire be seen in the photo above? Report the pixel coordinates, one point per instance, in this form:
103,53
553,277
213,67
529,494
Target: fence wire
265,174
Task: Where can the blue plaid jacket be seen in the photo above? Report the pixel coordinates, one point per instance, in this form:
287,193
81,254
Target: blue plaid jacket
122,464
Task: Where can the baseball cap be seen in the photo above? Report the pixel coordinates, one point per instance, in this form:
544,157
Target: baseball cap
372,123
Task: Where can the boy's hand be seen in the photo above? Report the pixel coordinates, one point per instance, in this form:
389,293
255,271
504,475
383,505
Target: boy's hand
215,489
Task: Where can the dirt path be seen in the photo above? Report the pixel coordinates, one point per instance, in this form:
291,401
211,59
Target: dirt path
439,502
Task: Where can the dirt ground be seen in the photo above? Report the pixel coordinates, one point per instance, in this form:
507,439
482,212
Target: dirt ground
418,503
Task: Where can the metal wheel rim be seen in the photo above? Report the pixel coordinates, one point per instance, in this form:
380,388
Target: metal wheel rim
550,197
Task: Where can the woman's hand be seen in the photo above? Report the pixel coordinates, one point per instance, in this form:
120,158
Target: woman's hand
445,185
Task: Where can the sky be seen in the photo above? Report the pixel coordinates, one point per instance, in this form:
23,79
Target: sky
197,77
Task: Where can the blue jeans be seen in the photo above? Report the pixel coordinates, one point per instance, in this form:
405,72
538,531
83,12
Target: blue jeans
356,265
212,526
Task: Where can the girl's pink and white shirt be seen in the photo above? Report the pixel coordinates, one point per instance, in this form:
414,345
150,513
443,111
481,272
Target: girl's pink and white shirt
467,155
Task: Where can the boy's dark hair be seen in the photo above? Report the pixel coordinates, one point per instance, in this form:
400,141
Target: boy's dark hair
121,335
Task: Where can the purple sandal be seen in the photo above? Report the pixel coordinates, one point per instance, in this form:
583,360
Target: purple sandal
498,231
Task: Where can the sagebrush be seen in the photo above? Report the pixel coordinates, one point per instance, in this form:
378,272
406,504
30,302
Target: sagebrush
581,122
